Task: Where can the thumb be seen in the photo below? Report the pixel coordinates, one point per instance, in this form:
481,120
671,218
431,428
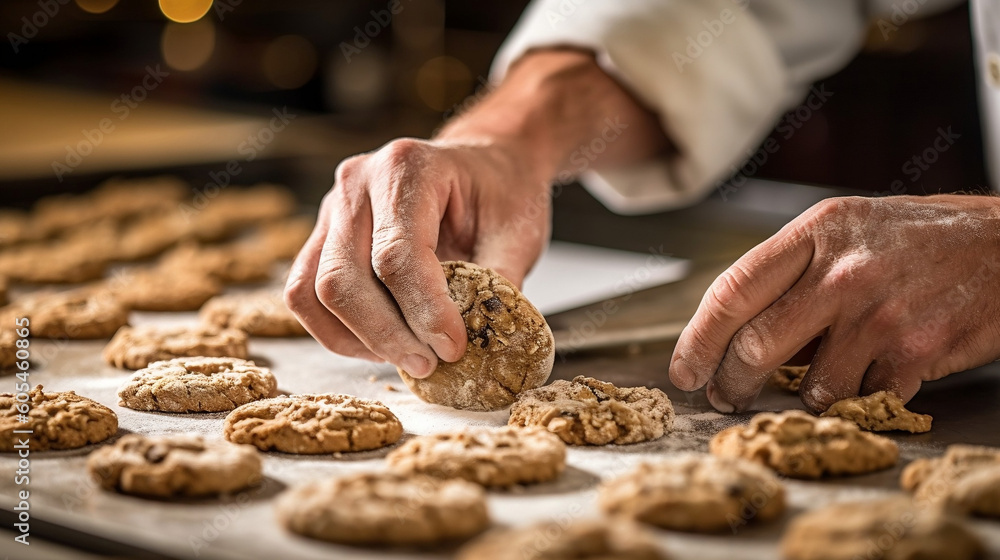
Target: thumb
511,253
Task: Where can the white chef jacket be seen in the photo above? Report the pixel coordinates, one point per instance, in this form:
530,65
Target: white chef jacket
719,73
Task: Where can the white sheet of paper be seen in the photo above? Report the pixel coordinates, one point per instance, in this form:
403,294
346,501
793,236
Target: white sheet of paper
570,275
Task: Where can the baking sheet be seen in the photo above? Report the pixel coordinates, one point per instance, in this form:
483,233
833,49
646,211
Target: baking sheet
243,526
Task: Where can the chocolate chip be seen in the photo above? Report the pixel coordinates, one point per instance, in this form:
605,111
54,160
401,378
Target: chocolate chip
493,304
484,334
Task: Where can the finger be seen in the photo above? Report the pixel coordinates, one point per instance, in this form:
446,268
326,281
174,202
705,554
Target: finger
837,370
510,254
404,238
884,376
767,341
301,299
748,287
347,287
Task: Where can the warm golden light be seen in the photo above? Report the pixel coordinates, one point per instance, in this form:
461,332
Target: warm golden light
188,46
96,6
289,61
185,11
443,81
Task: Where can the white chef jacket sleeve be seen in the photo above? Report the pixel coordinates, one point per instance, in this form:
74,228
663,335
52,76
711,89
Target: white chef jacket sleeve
718,73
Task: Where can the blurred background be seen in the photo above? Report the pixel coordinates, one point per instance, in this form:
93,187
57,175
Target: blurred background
240,91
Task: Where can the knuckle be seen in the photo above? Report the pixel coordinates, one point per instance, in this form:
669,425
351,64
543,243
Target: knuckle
348,169
390,255
402,151
749,347
297,293
729,291
329,283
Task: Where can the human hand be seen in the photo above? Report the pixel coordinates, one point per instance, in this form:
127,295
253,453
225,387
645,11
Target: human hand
902,290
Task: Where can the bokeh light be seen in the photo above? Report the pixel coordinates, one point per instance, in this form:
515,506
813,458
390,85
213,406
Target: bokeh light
185,11
442,82
289,61
187,46
96,6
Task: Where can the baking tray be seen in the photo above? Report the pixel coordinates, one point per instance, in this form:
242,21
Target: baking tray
67,507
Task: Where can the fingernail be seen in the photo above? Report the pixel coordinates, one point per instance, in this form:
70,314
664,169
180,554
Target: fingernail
683,378
416,366
718,402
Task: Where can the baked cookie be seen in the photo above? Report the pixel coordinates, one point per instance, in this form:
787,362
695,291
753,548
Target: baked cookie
587,411
236,208
163,289
788,378
891,529
257,314
148,236
52,262
176,465
966,479
510,347
4,298
314,424
8,343
695,493
137,347
799,445
385,509
15,228
283,239
62,420
579,540
81,314
880,412
197,385
492,457
229,264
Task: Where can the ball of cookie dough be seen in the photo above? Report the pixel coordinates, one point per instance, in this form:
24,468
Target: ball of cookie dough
695,493
491,457
799,445
510,347
197,385
385,509
313,424
553,540
175,465
59,420
890,529
587,411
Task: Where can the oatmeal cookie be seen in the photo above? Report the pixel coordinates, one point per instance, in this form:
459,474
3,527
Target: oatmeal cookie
81,314
579,540
966,479
788,378
230,264
137,347
880,412
257,314
163,289
62,420
197,385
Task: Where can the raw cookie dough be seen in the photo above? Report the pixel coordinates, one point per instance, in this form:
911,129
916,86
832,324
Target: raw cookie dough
580,540
79,314
197,385
313,424
163,288
966,479
587,411
695,493
257,314
492,457
176,465
788,378
510,347
880,412
799,445
58,421
229,264
889,529
137,347
385,509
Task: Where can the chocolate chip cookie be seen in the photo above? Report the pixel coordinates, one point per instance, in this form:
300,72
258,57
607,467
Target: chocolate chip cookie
890,529
788,378
613,539
491,457
176,465
799,445
197,385
880,412
385,509
695,493
137,347
587,411
965,479
313,424
261,313
510,348
60,420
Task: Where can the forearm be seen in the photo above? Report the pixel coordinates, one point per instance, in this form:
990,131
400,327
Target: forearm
558,105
